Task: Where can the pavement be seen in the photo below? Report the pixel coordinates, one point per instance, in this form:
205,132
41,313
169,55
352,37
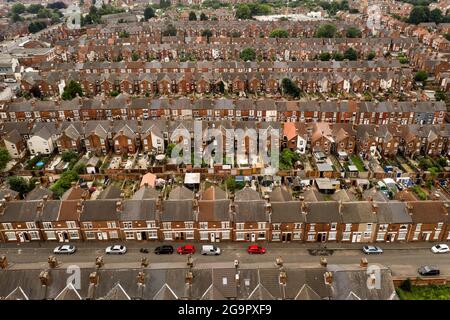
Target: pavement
402,258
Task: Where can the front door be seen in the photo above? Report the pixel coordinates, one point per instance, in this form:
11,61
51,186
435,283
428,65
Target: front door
391,237
21,237
288,237
144,235
253,237
213,237
26,237
283,237
60,237
100,236
139,236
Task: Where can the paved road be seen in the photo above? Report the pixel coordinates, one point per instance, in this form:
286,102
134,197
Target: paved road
402,259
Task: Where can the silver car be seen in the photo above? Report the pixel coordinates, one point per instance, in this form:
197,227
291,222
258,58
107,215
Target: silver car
372,250
65,249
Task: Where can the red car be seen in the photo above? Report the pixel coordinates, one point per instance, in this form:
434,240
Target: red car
186,249
255,249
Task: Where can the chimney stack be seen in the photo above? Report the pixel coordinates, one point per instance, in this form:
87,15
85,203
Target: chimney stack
363,263
79,206
99,262
52,262
45,278
3,262
328,277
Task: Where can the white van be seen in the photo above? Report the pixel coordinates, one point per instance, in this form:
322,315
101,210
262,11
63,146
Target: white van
210,250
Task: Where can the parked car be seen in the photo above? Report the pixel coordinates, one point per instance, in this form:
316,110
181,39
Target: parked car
428,271
187,249
210,250
65,249
164,250
372,250
255,249
440,248
116,249
10,80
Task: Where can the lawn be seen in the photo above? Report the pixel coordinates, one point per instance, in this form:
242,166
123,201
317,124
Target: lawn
431,292
358,163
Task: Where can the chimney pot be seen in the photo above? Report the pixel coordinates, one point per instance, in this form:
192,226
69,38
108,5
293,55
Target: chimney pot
323,261
328,277
44,277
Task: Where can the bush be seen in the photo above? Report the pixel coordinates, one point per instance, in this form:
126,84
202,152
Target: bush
279,33
421,76
406,285
326,31
67,156
248,54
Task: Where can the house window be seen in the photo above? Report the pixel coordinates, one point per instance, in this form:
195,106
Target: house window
297,225
34,235
276,226
151,224
203,235
240,236
71,224
11,236
47,225
113,235
380,236
167,235
152,234
90,235
297,235
418,227
129,235
367,234
203,225
87,225
333,226
369,227
346,236
189,235
7,226
74,235
275,236
383,227
225,235
167,225
31,225
261,235
311,236
348,227
128,225
189,225
239,226
261,225
439,225
111,224
50,235
225,224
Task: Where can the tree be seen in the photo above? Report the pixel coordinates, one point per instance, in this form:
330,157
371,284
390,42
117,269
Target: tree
371,55
15,17
324,56
114,93
57,5
170,30
436,16
35,91
34,8
337,56
243,12
351,54
440,95
248,54
134,56
419,14
207,33
36,26
353,33
72,90
192,16
5,157
123,34
149,13
326,31
67,156
290,88
288,159
18,8
203,17
20,185
279,33
163,4
421,76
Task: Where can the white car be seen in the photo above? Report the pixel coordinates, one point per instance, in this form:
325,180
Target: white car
116,249
372,250
65,249
440,248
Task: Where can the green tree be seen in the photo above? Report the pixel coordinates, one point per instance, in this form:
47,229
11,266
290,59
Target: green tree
134,56
337,56
326,31
279,33
371,55
149,13
290,88
16,18
243,12
440,95
324,56
34,8
353,32
207,33
421,76
36,26
436,16
124,34
71,90
67,156
192,16
351,54
248,54
114,93
203,17
20,185
18,8
419,14
169,149
288,159
5,157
